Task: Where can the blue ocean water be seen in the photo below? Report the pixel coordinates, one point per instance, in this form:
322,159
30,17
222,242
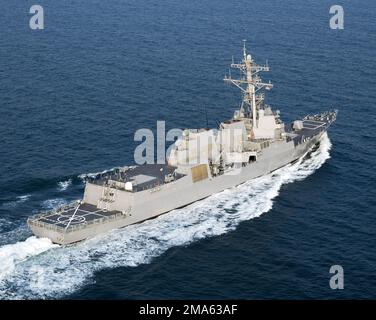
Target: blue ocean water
73,94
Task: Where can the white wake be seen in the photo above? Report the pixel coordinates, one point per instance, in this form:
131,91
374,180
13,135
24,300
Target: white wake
62,270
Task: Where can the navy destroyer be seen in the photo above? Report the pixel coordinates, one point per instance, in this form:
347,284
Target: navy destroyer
254,142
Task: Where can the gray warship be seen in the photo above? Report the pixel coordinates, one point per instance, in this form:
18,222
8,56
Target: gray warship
202,162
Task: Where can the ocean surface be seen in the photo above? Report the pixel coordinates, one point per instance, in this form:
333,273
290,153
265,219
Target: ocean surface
72,96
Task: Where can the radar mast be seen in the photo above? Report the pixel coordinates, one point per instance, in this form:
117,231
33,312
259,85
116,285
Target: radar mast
249,83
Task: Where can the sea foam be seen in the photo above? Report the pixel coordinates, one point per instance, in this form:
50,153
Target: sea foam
64,185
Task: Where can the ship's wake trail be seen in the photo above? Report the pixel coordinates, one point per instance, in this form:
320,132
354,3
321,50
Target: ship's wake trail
35,269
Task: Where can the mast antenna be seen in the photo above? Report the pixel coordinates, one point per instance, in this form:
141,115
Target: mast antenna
250,83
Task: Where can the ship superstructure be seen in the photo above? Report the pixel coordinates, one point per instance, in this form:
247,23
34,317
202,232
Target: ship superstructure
254,142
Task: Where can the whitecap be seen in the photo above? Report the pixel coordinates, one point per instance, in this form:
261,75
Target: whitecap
19,199
53,203
64,185
23,198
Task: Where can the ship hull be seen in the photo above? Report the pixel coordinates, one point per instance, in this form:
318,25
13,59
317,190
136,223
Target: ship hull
149,204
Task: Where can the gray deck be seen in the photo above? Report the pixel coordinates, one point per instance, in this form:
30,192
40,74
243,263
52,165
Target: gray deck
143,177
311,127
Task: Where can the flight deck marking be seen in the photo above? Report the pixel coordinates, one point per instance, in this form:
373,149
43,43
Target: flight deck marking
78,219
71,220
